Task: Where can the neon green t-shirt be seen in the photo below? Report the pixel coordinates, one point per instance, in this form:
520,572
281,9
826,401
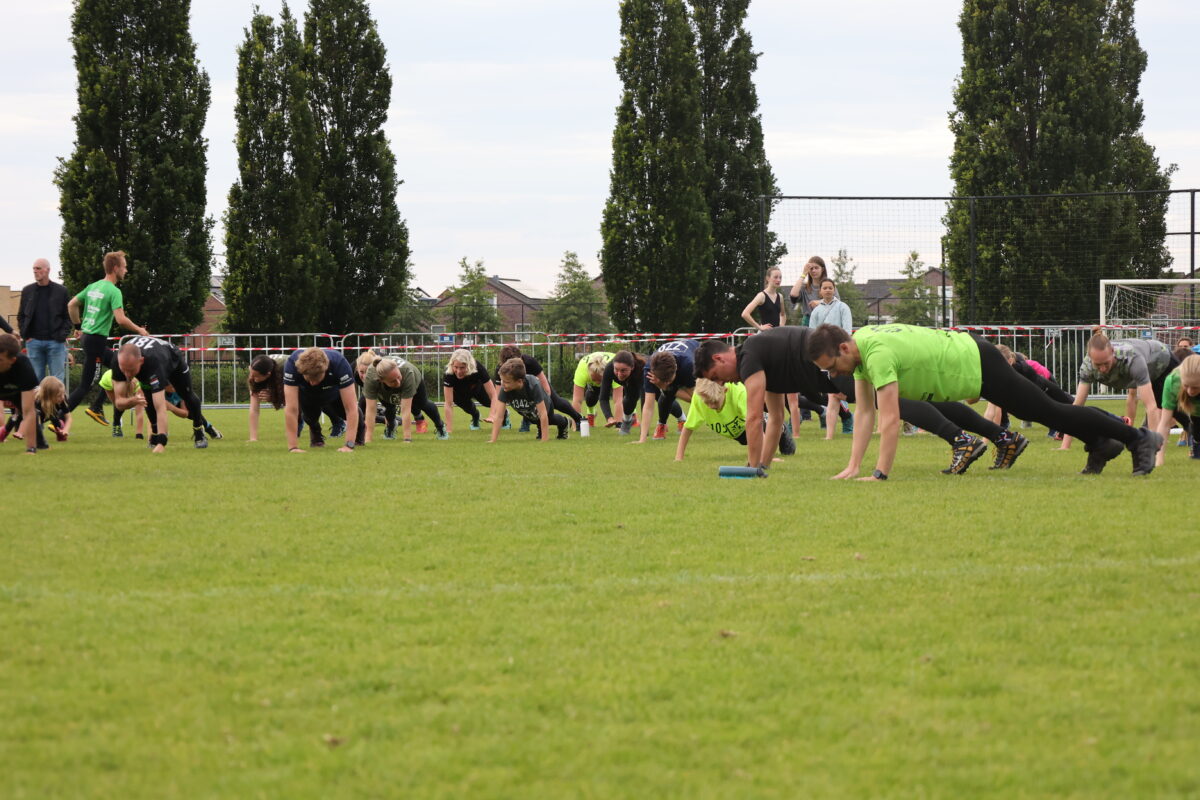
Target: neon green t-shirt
1170,393
106,382
582,379
729,421
927,364
99,301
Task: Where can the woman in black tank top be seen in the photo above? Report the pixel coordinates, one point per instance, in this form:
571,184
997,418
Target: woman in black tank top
769,303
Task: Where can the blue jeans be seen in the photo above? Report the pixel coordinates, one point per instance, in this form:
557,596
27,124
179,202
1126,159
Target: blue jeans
49,357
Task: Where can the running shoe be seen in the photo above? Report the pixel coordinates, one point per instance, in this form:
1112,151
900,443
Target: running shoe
787,444
591,420
1145,450
441,434
1008,449
524,426
422,426
198,438
679,424
624,426
506,425
563,433
660,431
138,436
337,428
117,431
97,415
475,425
1099,454
1195,449
389,432
966,451
848,425
212,432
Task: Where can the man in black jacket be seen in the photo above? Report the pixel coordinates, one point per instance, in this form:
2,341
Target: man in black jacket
45,323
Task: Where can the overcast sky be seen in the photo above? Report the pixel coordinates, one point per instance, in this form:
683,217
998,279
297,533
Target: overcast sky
502,114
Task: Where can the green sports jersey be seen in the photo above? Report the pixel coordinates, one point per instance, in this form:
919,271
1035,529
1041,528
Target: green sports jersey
1170,393
99,301
582,379
927,364
106,382
729,421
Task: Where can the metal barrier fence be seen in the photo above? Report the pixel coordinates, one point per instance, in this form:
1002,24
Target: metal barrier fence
220,362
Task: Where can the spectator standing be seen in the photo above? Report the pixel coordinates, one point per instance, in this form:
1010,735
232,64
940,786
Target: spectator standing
45,323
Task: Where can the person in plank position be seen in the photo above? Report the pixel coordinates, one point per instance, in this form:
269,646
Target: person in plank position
314,381
527,397
894,361
158,365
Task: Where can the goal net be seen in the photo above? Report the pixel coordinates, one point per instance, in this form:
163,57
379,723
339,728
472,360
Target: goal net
1152,303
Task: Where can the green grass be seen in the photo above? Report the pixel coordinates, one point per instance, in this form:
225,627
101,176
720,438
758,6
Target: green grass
588,618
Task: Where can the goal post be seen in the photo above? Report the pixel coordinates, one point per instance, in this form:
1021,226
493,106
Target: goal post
1157,302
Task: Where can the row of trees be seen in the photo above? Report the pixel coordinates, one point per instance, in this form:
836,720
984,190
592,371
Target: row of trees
314,240
681,240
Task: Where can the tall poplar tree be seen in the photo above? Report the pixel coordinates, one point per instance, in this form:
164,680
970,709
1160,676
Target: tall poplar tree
278,266
135,180
351,89
738,170
657,236
1047,103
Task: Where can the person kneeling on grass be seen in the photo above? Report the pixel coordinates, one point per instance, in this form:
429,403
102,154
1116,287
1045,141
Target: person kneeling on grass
316,381
50,400
723,409
527,397
942,367
159,366
392,380
1179,395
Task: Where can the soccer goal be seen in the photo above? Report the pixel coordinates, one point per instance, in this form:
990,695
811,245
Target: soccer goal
1153,303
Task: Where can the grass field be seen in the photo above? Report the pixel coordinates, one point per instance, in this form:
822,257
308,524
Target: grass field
588,618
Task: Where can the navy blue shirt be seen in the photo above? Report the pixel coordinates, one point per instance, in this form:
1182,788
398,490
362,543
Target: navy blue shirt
684,351
338,376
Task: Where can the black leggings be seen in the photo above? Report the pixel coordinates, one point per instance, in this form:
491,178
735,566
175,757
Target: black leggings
95,348
947,420
563,405
667,405
182,381
1003,386
315,401
421,402
466,401
389,412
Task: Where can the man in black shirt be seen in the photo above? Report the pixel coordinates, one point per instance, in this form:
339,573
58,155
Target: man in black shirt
45,323
17,385
158,364
772,365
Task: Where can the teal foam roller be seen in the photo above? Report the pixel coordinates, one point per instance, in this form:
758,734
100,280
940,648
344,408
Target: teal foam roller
741,472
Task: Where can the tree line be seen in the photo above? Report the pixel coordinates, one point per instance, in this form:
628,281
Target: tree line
1046,103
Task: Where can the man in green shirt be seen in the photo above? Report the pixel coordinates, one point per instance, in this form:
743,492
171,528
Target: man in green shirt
894,361
100,303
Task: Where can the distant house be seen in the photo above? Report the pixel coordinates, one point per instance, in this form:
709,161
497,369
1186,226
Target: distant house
214,307
10,304
517,302
879,294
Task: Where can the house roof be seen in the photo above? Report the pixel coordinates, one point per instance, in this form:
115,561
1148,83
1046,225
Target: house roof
525,290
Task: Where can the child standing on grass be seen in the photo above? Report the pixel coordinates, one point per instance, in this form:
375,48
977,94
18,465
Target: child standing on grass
527,397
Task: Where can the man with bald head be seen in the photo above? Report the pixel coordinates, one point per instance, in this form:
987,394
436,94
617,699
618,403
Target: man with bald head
45,323
159,365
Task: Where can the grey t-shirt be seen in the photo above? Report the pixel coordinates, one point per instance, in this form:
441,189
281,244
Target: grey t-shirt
1136,363
376,389
526,399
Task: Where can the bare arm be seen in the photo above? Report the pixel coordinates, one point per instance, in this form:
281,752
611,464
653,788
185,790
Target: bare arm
291,415
648,408
775,405
160,409
889,427
748,311
128,324
577,393
683,442
29,420
406,419
756,389
864,424
350,405
370,405
497,415
73,310
253,418
1131,401
544,419
447,410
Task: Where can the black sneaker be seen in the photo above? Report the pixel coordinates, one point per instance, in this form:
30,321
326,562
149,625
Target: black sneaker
1099,454
787,444
315,437
1145,450
563,433
198,438
98,416
212,432
117,432
1008,449
967,450
1195,448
